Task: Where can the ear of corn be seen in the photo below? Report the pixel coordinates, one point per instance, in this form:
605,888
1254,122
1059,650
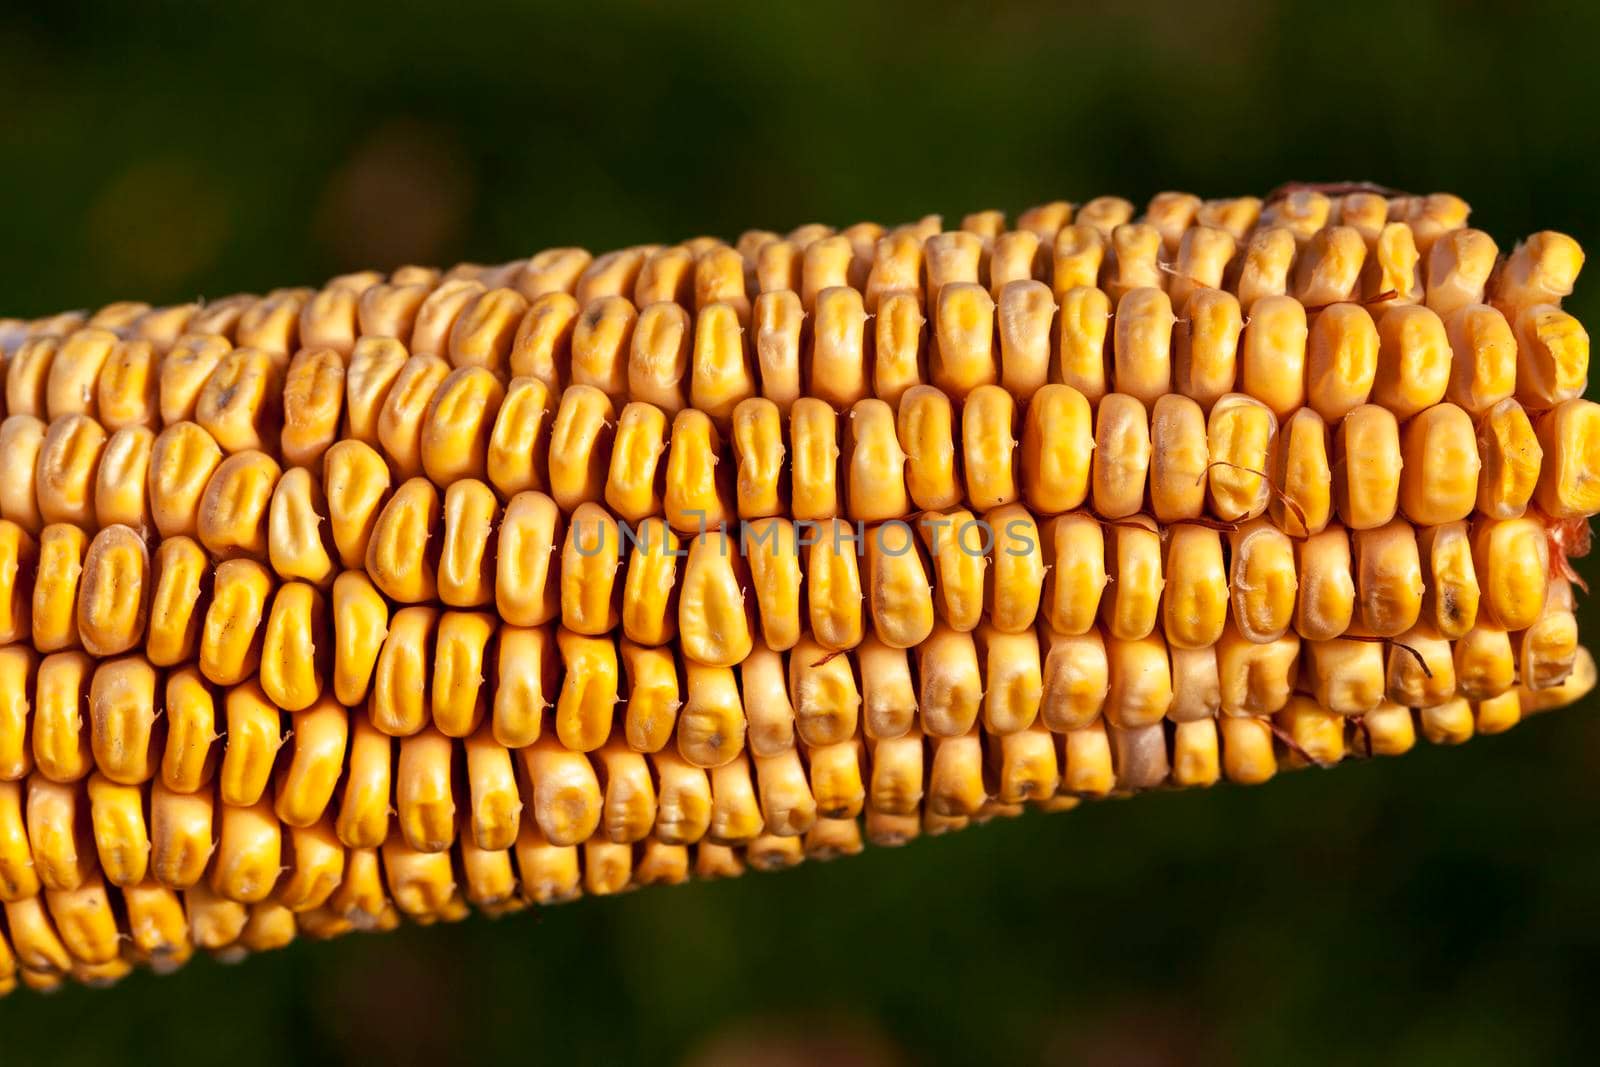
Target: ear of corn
432,592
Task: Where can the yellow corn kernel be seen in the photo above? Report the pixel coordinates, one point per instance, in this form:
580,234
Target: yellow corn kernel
1262,580
697,493
1512,461
249,850
1247,756
735,811
458,423
1317,733
122,716
590,561
64,474
1327,592
1140,681
1194,603
764,686
27,373
601,339
495,806
1046,220
313,401
826,703
437,315
254,735
875,465
1512,559
1121,456
1195,759
1179,459
1075,572
565,795
925,422
1364,212
60,833
1076,258
425,809
183,459
273,322
1239,435
60,733
125,393
887,691
814,437
1135,260
988,425
21,438
484,331
111,607
1414,359
771,550
157,928
17,666
399,702
896,268
720,373
239,401
949,682
713,622
74,372
1541,270
787,806
668,279
362,821
958,544
1265,264
189,758
234,508
120,494
1087,761
1484,665
555,270
1346,677
55,587
1341,360
184,372
306,783
1203,254
1142,345
403,418
589,690
653,696
899,595
1026,309
1329,270
38,950
950,258
1569,483
1389,730
1013,680
962,355
1368,465
778,317
1388,574
1459,264
1256,678
122,840
1057,443
1301,470
294,649
711,723
459,697
1196,684
1439,474
230,640
838,365
1421,671
836,780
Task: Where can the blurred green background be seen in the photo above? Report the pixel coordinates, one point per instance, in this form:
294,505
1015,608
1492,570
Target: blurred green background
1435,909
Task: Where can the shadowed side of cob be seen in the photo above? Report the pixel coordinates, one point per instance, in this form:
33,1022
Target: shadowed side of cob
428,591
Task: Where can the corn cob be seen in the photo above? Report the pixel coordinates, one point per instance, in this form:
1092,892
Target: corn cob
490,587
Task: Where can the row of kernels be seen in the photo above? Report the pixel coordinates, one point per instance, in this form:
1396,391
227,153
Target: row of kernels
324,890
